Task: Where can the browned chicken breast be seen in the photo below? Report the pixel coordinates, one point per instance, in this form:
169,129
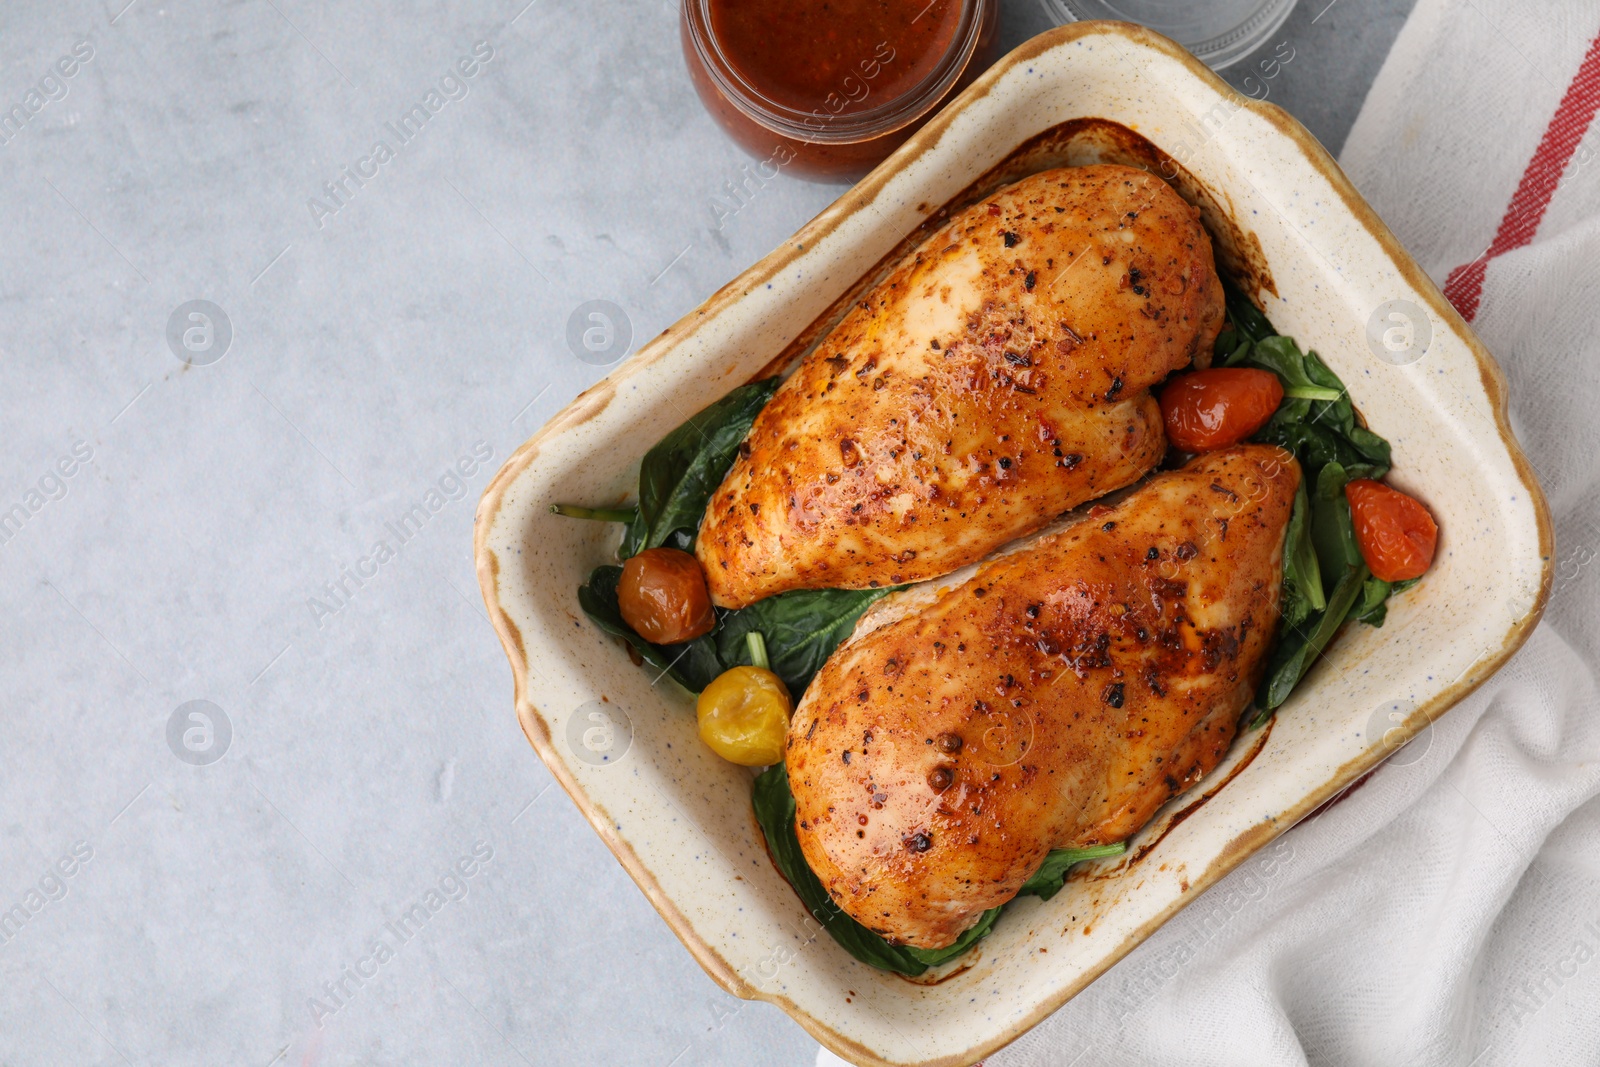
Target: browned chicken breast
1055,700
998,377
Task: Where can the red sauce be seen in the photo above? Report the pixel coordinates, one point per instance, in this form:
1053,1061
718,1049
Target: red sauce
828,88
840,56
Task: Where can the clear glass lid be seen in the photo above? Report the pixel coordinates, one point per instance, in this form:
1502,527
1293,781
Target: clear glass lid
1218,32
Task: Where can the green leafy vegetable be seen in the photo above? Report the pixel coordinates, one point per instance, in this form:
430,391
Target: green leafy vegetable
1372,605
1318,432
1302,575
932,957
1316,420
1243,316
1236,347
575,511
774,807
1326,582
1332,531
800,629
1312,392
678,475
1298,649
1283,357
1048,879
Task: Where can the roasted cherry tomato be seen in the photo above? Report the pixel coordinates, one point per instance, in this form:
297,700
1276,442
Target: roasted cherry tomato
663,596
1210,409
744,716
1394,531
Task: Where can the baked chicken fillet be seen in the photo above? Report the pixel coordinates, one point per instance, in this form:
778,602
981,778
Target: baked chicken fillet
1054,700
997,377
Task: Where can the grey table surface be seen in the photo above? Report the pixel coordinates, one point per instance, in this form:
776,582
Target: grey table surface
209,883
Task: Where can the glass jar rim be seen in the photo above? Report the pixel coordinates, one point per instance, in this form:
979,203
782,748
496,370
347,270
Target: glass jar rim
817,125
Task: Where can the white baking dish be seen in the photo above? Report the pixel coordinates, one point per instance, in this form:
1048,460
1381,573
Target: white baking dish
1287,223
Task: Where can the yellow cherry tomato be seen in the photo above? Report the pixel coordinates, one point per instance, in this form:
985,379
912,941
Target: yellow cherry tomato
744,716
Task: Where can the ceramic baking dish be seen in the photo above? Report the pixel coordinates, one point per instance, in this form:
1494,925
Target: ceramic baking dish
1289,226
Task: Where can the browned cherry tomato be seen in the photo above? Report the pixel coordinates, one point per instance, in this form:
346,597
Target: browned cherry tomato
1210,409
1394,531
663,596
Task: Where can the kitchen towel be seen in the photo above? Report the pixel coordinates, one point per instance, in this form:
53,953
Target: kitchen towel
1447,910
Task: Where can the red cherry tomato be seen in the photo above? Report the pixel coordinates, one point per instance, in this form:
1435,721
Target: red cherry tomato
1210,409
1394,531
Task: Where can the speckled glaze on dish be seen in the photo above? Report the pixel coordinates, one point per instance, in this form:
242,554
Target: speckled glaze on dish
678,818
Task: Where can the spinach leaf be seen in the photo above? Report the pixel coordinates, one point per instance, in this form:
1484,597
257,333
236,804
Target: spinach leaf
1372,606
1297,649
625,515
692,664
678,475
1236,354
1332,530
1283,357
774,808
1243,315
1314,446
1316,421
1341,415
975,933
1052,875
1302,575
634,535
801,629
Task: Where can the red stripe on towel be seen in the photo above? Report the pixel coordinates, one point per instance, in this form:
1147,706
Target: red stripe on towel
1464,287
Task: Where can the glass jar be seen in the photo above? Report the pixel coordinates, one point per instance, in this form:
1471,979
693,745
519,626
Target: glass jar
825,89
1219,32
